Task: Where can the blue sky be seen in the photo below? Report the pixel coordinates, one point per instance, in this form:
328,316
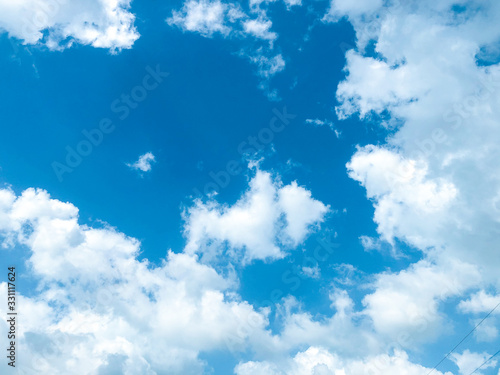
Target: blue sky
356,235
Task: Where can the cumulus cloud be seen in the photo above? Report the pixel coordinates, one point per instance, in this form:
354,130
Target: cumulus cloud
467,362
434,183
60,23
209,17
431,77
406,305
318,361
204,17
96,302
267,219
144,162
390,180
480,302
259,28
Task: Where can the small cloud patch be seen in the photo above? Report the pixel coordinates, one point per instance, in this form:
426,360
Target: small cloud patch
144,163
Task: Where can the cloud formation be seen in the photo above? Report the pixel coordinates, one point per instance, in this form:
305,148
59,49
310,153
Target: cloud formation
58,24
231,20
268,218
144,162
100,309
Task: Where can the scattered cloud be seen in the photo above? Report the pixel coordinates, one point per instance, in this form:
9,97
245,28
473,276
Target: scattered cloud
58,24
318,122
230,20
144,164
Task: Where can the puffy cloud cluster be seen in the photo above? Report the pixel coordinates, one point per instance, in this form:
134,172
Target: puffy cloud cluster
318,361
100,309
429,72
433,75
59,23
209,17
265,219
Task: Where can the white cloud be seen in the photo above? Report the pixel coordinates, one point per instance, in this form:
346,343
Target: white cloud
405,306
319,361
267,219
143,163
352,9
268,66
318,122
99,23
434,183
96,303
347,274
211,17
312,272
408,204
259,28
205,17
256,6
468,362
208,17
480,302
486,331
292,3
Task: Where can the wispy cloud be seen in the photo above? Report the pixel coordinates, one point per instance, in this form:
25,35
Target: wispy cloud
318,122
232,21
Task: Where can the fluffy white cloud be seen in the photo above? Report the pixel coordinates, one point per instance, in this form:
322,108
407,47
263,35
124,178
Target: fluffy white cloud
433,80
318,361
266,219
204,17
390,180
100,23
143,163
292,3
405,306
434,184
208,17
100,309
467,362
259,28
480,302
